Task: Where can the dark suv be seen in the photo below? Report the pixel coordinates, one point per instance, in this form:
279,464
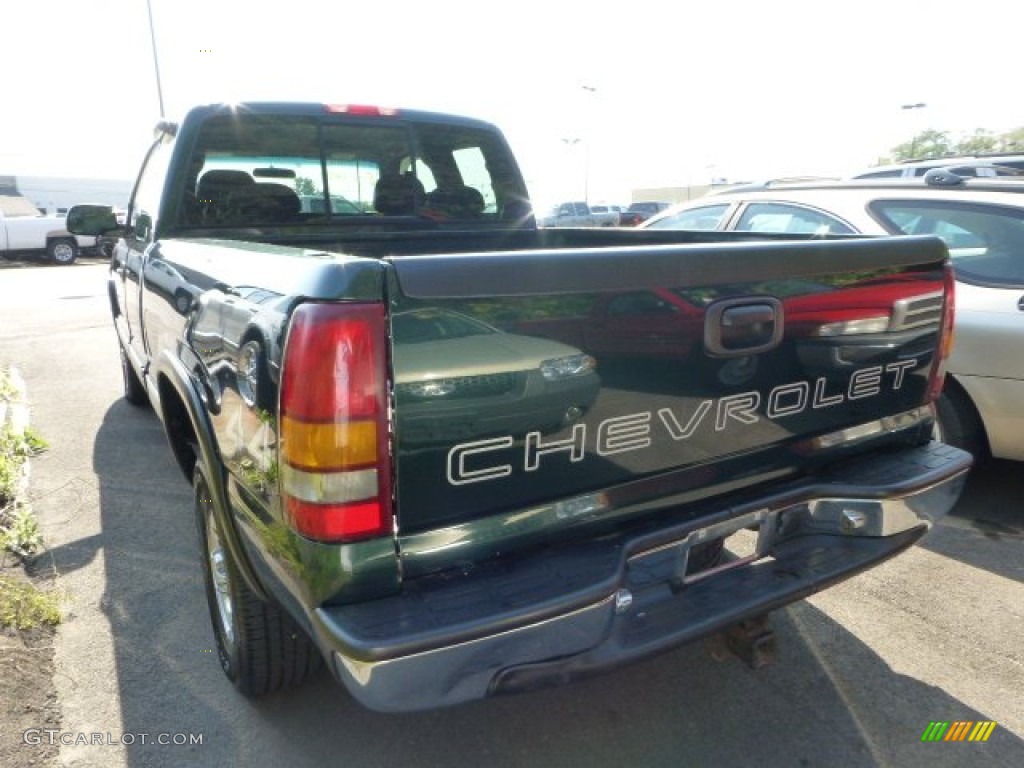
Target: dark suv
639,212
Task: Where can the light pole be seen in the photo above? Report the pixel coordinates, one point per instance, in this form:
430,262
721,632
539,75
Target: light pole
156,64
592,90
913,140
572,143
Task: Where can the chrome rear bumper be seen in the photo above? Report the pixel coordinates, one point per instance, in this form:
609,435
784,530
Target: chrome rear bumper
478,637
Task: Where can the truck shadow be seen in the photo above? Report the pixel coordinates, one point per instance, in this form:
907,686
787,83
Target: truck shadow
830,700
986,527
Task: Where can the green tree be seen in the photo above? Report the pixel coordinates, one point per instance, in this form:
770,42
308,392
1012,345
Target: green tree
1012,141
925,145
305,186
933,143
978,143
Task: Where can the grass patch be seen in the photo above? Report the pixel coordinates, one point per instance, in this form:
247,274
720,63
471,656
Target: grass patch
15,448
19,531
24,606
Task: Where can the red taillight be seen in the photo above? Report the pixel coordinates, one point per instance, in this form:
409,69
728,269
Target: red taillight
361,109
945,345
333,449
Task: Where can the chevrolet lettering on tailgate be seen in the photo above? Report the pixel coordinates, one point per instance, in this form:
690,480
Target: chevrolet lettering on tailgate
467,462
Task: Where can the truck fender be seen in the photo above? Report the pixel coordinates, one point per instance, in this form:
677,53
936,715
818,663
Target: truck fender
178,396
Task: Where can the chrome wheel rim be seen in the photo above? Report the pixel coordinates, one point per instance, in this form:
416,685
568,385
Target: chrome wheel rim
63,253
221,579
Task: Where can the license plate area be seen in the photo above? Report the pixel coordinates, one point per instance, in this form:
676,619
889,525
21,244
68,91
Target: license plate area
746,538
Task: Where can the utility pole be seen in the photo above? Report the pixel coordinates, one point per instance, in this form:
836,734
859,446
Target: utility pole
572,143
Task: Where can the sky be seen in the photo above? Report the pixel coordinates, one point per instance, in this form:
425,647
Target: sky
597,100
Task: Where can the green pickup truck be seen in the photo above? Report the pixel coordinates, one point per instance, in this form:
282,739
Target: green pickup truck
409,460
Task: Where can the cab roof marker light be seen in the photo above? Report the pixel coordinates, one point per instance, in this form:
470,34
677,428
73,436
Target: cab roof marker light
361,109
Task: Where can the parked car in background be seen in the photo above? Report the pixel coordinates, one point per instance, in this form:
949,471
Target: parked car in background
606,215
639,212
580,214
41,235
970,165
982,224
339,205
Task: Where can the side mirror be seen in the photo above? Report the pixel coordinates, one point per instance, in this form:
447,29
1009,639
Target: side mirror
91,220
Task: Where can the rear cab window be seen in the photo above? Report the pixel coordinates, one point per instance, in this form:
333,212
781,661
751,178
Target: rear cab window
250,170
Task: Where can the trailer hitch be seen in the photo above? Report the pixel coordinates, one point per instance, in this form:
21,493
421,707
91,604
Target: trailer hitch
751,640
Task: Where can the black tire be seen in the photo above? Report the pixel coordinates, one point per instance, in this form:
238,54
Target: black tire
957,423
182,301
134,391
261,649
62,250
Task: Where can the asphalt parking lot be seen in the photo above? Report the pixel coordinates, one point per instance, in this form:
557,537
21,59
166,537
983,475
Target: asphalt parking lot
863,669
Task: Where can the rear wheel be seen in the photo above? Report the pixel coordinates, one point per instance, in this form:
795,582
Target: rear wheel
261,649
957,422
134,391
62,251
182,301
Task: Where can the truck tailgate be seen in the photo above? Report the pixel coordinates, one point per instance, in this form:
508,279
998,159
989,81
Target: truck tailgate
697,370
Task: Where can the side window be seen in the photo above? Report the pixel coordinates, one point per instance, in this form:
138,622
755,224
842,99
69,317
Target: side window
705,218
893,174
985,241
972,170
149,189
791,219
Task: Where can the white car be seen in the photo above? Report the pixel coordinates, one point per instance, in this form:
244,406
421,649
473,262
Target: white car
41,234
982,223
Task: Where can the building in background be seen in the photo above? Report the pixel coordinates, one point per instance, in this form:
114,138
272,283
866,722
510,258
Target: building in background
673,194
11,202
53,194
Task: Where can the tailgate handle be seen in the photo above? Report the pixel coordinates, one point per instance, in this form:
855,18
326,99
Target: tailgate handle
737,327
